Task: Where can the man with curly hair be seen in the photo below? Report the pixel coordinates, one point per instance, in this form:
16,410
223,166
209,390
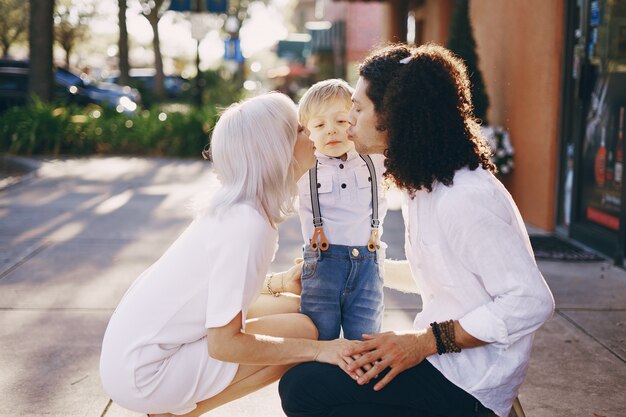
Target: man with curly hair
467,247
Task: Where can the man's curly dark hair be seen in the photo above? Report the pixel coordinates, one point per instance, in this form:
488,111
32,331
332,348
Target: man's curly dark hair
422,98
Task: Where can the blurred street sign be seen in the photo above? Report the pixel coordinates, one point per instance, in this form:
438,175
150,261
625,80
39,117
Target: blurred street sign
232,51
326,36
296,47
211,6
217,6
180,5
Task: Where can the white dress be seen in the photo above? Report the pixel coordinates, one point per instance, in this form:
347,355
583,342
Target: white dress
154,354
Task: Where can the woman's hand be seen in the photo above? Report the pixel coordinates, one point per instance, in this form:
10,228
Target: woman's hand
389,350
331,352
291,279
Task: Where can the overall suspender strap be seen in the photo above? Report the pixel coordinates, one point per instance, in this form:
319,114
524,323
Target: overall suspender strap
374,242
318,235
319,239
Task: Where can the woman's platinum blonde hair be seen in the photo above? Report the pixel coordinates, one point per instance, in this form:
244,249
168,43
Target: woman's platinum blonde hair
252,152
318,96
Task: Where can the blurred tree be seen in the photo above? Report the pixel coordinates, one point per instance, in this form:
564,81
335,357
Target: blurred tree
13,23
152,11
122,43
461,41
40,40
240,11
71,24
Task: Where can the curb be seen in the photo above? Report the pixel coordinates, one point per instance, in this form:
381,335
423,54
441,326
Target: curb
25,170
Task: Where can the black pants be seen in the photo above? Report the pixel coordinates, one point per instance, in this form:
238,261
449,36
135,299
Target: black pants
321,390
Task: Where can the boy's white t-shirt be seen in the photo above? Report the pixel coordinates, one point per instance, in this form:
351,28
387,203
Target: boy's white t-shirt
345,197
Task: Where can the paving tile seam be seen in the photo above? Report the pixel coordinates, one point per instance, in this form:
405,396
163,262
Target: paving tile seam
582,329
25,258
106,408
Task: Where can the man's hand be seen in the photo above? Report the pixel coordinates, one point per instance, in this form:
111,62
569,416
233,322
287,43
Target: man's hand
390,350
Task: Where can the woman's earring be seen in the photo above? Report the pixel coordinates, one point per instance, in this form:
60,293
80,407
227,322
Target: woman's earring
206,152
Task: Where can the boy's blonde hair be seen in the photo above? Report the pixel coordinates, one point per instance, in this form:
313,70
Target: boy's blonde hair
319,94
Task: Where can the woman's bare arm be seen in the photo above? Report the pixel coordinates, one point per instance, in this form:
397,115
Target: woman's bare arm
230,344
286,281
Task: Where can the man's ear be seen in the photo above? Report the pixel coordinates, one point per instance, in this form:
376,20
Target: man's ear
380,125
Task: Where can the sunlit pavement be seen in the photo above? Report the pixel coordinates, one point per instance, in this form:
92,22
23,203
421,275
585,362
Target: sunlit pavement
74,235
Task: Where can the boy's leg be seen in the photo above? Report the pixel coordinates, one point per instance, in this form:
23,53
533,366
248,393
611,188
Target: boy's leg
322,282
362,301
321,390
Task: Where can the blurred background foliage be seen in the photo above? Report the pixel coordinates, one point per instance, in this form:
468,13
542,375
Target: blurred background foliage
51,129
61,115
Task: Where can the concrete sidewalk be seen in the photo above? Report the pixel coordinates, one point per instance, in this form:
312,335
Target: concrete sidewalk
74,235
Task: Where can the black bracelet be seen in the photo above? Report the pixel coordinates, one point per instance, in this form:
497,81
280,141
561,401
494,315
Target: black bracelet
441,349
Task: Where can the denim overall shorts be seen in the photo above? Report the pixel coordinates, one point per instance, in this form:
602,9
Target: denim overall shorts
342,286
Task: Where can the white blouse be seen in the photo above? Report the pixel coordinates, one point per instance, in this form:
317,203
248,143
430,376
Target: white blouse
345,199
471,258
154,353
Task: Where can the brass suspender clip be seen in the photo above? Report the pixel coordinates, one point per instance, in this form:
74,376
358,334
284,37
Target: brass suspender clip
374,242
319,236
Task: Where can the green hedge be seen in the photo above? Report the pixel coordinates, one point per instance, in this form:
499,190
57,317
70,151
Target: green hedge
49,129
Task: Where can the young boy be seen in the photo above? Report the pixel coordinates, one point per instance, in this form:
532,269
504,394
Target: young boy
342,207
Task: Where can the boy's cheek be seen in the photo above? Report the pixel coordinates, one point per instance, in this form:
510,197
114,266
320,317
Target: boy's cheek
315,137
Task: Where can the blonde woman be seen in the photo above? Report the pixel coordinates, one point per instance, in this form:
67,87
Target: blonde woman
182,341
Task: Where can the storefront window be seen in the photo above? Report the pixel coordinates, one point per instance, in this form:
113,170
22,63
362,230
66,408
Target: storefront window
602,172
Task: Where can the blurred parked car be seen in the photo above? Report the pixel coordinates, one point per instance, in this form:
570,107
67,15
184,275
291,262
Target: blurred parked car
143,78
13,83
67,86
123,98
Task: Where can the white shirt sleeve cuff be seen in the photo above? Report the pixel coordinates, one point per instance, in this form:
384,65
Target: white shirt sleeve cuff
484,325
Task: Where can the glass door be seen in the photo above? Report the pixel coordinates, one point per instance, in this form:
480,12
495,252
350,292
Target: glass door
592,176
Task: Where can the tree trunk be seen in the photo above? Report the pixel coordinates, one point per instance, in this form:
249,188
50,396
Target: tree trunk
41,36
159,77
124,64
68,51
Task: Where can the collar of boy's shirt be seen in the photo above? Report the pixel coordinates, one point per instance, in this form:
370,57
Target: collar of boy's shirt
351,158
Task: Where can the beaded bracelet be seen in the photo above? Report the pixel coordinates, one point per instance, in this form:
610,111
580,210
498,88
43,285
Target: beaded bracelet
441,349
447,336
444,336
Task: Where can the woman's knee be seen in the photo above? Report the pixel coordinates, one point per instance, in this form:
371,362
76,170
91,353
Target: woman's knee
266,305
293,325
307,327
